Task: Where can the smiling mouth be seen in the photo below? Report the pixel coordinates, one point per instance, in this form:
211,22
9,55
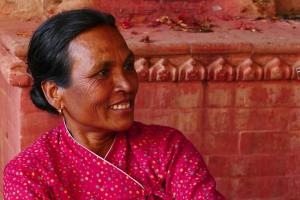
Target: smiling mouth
121,106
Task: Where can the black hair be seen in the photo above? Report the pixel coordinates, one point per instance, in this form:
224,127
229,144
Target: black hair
48,58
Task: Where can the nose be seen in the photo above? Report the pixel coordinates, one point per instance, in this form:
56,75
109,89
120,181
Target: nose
123,83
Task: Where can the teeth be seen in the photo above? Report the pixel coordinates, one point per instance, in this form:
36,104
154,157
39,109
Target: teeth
121,106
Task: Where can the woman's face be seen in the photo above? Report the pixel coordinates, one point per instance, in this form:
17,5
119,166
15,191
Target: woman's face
103,85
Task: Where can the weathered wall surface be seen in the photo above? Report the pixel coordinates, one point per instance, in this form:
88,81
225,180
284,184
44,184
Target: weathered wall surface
9,123
248,132
41,8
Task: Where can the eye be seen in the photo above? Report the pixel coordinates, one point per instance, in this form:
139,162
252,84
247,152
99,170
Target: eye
129,66
103,72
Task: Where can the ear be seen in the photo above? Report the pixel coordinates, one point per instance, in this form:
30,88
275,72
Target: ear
52,94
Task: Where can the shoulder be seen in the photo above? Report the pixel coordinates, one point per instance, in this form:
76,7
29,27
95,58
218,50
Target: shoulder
140,131
155,130
37,153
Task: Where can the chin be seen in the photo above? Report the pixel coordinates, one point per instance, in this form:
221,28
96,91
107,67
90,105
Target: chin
124,125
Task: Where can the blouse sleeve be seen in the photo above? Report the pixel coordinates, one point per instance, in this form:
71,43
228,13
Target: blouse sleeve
24,183
187,175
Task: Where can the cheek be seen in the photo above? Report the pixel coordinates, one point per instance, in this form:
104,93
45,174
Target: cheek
96,93
83,92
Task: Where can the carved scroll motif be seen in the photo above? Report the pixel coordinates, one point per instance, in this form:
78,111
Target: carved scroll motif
191,71
249,71
163,70
296,70
142,68
276,70
220,70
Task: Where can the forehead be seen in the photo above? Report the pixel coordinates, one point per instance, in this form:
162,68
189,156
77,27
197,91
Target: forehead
103,39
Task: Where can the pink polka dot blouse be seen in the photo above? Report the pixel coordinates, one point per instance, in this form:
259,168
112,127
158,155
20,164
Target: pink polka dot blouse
145,162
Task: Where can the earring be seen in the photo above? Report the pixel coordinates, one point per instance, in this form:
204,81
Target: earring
59,111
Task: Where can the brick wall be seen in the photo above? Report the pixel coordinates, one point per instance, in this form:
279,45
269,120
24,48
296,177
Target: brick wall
9,123
248,132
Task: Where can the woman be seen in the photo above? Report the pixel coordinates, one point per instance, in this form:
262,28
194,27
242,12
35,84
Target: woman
83,69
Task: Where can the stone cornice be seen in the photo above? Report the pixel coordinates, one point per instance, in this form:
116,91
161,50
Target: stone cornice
224,55
219,69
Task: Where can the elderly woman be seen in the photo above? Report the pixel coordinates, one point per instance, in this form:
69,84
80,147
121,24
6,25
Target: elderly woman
83,69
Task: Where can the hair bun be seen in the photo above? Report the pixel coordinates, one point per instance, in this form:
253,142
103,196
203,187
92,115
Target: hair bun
39,100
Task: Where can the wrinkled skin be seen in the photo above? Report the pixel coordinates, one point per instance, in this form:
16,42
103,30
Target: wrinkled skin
104,83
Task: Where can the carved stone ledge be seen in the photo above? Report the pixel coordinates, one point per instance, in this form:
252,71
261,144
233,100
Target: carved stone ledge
191,70
233,55
219,69
163,70
296,70
142,68
249,71
14,69
277,70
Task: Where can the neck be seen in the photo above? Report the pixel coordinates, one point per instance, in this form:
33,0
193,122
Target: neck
97,142
98,145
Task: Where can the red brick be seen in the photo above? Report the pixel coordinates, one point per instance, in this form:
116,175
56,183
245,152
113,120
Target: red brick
170,95
27,140
9,152
269,142
205,158
196,138
34,124
189,119
218,119
13,133
261,119
244,188
166,117
292,164
294,188
275,94
294,119
239,100
181,119
258,165
219,94
219,143
26,104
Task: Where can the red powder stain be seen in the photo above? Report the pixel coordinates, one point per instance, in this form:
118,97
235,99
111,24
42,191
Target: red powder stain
126,24
145,39
245,26
134,33
154,24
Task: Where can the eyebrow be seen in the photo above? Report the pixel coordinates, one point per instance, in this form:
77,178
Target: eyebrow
109,63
